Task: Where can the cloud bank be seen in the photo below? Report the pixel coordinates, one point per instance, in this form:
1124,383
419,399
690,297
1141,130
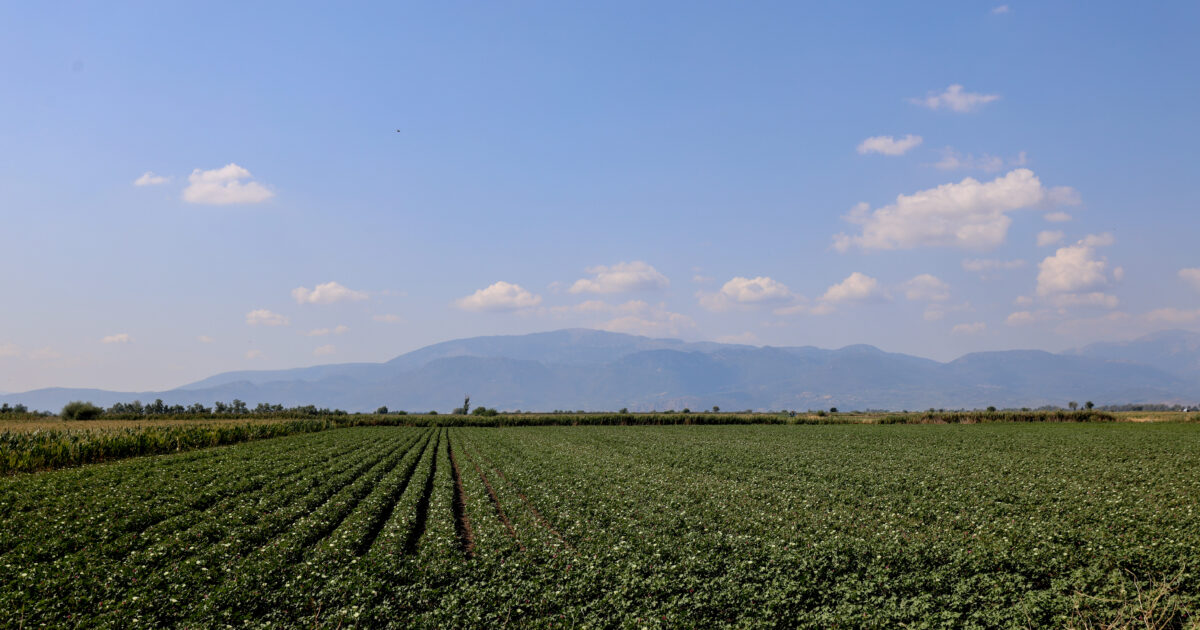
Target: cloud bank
969,215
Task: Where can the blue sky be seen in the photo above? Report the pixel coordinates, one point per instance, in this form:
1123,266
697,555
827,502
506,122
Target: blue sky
193,188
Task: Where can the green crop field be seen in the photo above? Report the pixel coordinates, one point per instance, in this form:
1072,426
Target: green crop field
986,525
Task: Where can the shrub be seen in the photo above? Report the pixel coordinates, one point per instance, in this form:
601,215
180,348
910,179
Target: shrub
79,410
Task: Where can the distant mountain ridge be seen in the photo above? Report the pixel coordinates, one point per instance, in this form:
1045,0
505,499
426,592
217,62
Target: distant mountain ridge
597,370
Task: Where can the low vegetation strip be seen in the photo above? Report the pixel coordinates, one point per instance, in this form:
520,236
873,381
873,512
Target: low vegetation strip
39,450
977,417
44,444
44,449
994,525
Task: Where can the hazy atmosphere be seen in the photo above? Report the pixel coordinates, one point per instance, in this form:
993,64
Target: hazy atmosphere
190,190
600,315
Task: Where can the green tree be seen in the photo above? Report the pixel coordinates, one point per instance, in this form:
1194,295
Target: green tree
79,410
382,410
1073,405
1088,405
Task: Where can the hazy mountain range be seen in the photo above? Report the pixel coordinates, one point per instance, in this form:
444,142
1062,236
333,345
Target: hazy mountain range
594,370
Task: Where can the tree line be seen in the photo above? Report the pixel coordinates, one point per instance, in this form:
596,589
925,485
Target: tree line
79,410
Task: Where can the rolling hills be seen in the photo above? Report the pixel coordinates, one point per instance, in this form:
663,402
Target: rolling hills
596,370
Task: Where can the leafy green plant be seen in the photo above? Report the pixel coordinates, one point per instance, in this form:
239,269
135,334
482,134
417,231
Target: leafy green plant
79,410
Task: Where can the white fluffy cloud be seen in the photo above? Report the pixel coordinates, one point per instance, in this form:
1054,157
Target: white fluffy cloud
1191,276
888,145
1049,237
324,350
117,338
223,186
263,317
857,287
955,99
747,292
621,278
972,328
926,288
327,293
149,179
1074,275
501,296
969,215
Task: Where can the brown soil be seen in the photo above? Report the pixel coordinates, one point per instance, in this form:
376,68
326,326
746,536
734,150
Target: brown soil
499,508
538,515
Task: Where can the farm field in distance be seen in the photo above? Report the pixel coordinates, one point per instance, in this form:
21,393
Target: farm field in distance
844,525
26,424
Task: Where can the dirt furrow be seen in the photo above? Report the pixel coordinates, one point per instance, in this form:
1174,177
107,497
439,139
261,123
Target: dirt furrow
536,514
499,508
462,524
